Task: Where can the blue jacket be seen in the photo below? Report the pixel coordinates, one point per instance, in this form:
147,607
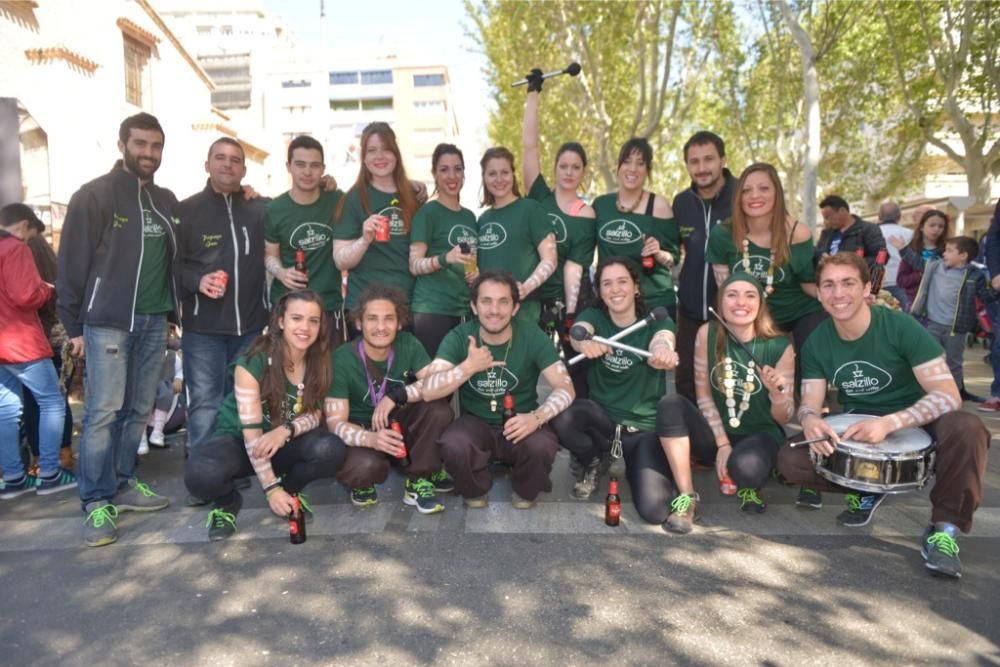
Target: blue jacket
964,318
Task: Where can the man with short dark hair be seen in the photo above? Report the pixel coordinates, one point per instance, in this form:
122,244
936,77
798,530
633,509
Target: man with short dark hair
116,287
697,210
884,364
25,360
845,232
223,285
486,360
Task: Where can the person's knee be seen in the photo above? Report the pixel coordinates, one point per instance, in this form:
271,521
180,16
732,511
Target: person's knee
440,412
329,452
670,412
540,447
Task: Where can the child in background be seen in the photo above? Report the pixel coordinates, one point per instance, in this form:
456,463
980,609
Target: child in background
947,299
169,395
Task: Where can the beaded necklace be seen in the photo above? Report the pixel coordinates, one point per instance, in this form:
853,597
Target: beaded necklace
769,282
729,385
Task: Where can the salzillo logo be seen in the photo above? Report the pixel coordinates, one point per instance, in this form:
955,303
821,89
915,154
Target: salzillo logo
150,228
395,215
860,378
493,235
310,236
460,233
559,227
494,382
620,232
758,268
740,373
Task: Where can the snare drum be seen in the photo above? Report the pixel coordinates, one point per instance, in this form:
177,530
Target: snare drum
904,462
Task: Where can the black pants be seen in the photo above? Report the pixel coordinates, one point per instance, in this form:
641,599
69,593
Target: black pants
553,322
753,456
211,468
687,332
586,431
431,328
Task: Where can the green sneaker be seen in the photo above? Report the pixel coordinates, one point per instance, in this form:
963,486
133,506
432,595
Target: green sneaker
364,496
940,551
138,497
683,513
420,494
221,521
443,483
750,501
99,527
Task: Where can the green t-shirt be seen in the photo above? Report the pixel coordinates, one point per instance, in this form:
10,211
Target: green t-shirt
443,292
153,292
228,422
309,228
383,263
529,353
757,417
623,384
621,234
350,381
787,302
873,374
509,237
575,239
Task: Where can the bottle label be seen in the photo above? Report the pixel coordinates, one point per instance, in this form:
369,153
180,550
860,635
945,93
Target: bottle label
293,527
614,511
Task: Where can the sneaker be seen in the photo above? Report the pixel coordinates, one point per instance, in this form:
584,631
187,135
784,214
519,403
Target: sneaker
138,497
156,439
443,483
10,490
586,484
61,481
519,503
221,522
364,496
478,502
940,551
809,499
860,508
143,445
419,493
99,527
750,501
683,513
989,405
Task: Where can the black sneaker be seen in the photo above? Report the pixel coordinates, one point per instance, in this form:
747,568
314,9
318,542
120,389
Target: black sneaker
809,499
750,501
221,522
940,551
18,487
61,481
420,494
586,484
860,508
443,483
364,496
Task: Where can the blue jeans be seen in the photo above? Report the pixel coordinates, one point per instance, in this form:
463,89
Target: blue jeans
208,379
40,377
993,311
119,388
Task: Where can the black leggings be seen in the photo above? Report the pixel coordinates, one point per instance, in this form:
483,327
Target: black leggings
431,328
753,456
586,431
212,467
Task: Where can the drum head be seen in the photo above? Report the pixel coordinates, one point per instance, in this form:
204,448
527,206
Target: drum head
903,441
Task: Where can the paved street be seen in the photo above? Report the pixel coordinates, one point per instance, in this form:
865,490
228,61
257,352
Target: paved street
498,586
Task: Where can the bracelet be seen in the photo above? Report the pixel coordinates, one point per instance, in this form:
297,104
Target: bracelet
290,425
442,260
273,486
538,419
725,445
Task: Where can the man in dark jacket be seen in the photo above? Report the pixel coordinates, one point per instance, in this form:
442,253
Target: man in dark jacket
705,204
116,287
223,288
844,232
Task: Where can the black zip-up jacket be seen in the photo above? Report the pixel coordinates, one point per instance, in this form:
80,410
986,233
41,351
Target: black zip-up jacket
860,234
101,246
223,232
695,217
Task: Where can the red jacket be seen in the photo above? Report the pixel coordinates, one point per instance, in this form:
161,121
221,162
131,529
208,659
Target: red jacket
22,293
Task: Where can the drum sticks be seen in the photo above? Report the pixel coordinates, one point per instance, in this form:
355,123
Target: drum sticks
732,337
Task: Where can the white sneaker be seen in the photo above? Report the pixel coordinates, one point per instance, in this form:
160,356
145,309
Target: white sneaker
156,439
143,445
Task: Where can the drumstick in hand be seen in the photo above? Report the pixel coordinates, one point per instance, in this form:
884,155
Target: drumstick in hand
732,336
808,442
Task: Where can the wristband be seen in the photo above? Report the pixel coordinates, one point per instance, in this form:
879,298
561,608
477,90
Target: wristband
291,429
397,394
273,486
442,260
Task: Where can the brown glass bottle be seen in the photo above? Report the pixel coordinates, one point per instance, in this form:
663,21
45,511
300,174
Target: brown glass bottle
878,271
613,504
404,460
508,408
648,264
300,263
297,523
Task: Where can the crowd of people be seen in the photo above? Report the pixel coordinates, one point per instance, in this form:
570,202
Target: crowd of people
430,360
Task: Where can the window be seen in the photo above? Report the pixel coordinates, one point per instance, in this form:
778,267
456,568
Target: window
344,105
376,104
137,57
429,105
376,77
428,80
204,30
343,78
300,83
297,109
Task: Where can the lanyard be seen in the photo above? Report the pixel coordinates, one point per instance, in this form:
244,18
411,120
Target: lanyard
375,395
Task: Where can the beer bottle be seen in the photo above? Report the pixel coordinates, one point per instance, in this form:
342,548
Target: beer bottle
508,408
404,460
613,504
297,522
648,264
878,271
300,263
